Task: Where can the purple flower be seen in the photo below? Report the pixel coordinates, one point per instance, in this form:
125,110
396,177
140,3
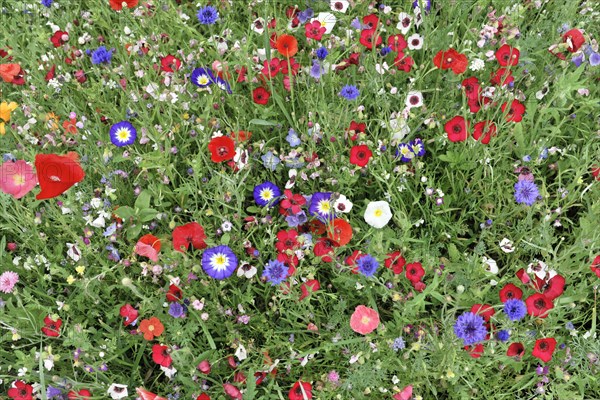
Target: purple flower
470,328
208,15
367,265
526,192
176,310
101,56
53,392
515,309
276,272
321,206
317,69
219,262
202,77
503,335
266,194
297,219
350,92
122,134
594,59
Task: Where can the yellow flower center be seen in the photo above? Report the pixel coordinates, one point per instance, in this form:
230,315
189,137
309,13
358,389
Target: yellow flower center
19,180
365,320
378,213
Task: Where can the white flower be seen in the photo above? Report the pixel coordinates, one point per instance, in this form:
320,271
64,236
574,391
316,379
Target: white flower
169,372
381,68
492,266
404,22
73,252
241,352
96,203
398,127
414,99
258,25
117,391
226,226
415,42
342,204
538,268
246,270
339,5
378,214
477,64
49,362
506,245
327,21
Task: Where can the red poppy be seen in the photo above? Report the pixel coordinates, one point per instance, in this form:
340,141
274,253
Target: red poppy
555,287
395,262
174,294
314,30
9,72
324,248
485,310
170,63
190,234
203,396
51,73
287,240
360,155
403,63
355,129
51,327
544,348
502,77
300,391
162,355
117,5
339,231
472,88
371,21
56,174
507,56
595,267
574,40
82,394
510,291
222,148
309,287
475,351
260,95
516,350
538,305
456,129
146,395
271,68
59,38
21,391
287,45
129,313
451,59
396,42
414,272
516,111
148,246
487,129
370,38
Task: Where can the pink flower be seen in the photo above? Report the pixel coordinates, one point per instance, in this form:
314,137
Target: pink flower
364,320
17,178
232,391
405,394
8,280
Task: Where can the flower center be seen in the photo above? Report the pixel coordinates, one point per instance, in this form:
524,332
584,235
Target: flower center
365,320
378,213
540,304
19,180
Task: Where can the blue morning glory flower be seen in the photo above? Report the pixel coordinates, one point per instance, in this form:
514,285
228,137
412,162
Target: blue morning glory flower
122,134
202,77
266,194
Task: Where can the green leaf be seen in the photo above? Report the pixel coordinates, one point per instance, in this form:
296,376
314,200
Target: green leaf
262,122
225,239
143,200
147,214
124,212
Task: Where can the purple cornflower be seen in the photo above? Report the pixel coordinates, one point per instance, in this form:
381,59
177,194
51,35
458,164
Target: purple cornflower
515,309
470,328
367,265
53,392
46,3
208,15
101,56
503,335
526,192
176,310
350,92
276,272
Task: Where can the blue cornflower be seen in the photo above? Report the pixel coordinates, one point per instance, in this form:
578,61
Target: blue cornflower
270,161
202,77
122,134
275,271
356,23
367,265
570,326
219,262
176,310
321,53
317,70
419,3
208,15
526,192
515,309
305,15
398,344
321,205
470,328
101,56
292,138
350,92
385,51
503,335
266,194
46,3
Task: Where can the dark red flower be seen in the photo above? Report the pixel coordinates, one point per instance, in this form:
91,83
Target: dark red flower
355,129
596,171
507,56
314,30
174,294
414,272
475,351
291,260
129,313
487,129
472,88
574,40
456,129
170,63
56,174
485,310
395,262
232,391
260,95
50,73
523,277
271,69
371,21
360,155
502,77
352,260
510,291
309,287
555,287
544,348
51,328
370,38
287,240
324,248
451,59
300,391
21,391
162,355
595,267
59,38
516,350
516,111
222,148
82,394
396,42
403,63
292,203
538,305
190,234
203,396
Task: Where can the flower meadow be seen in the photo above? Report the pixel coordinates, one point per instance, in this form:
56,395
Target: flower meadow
299,200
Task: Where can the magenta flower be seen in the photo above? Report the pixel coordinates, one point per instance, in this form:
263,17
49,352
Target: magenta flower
17,178
8,280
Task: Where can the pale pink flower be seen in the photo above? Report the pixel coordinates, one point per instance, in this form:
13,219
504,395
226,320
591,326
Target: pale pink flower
17,178
364,320
8,280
